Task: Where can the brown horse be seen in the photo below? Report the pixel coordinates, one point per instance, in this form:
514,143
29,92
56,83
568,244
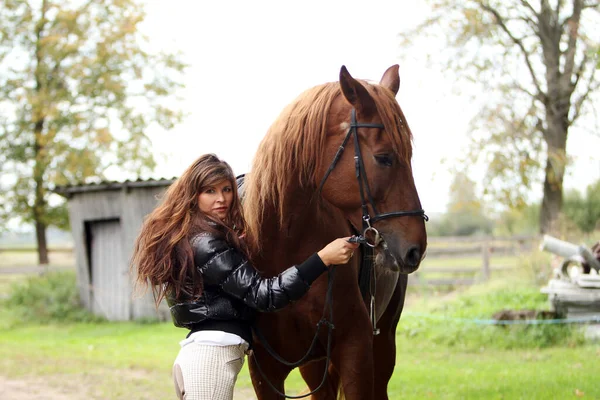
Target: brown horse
297,199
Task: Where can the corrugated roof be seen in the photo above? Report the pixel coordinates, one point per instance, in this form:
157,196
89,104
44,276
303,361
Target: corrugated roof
68,190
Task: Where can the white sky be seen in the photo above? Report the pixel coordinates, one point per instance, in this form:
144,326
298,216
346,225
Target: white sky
249,59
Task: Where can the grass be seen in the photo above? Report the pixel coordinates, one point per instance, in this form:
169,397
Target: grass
426,371
8,280
13,258
131,361
116,360
442,359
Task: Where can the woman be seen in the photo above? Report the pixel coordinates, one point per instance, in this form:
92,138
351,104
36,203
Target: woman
190,250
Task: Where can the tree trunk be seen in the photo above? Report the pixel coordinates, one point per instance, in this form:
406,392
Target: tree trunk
42,247
39,202
560,84
556,162
553,195
40,163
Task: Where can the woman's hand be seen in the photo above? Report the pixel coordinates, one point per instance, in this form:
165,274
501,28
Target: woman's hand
337,252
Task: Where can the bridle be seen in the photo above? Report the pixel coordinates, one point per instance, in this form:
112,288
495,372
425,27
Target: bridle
366,265
363,184
366,276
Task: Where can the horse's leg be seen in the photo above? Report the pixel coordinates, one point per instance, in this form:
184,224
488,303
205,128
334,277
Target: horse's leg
352,356
272,369
384,344
312,374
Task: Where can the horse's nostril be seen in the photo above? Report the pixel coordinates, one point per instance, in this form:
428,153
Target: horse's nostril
413,256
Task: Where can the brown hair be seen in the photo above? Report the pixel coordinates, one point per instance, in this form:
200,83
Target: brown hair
163,257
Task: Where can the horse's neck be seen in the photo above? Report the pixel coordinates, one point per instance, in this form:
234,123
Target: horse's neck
305,231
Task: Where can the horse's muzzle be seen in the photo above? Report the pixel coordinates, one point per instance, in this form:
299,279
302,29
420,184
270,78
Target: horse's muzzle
406,264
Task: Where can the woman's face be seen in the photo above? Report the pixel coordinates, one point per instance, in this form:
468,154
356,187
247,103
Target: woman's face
216,200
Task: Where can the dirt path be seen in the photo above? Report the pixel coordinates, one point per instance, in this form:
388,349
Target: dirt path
33,389
50,388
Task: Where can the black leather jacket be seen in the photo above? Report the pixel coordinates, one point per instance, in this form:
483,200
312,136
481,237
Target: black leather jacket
234,291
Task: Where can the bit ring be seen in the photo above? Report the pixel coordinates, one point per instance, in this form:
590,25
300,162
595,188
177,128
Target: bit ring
377,237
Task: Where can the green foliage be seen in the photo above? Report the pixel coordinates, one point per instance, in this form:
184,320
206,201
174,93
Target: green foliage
466,213
59,215
536,269
46,299
584,211
78,89
455,323
460,224
518,221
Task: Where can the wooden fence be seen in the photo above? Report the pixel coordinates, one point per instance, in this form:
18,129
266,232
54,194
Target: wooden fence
450,260
468,260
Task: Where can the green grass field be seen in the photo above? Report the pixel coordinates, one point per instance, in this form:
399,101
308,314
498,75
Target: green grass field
436,358
132,361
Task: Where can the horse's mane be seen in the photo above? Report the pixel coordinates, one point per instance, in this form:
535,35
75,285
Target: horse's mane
290,152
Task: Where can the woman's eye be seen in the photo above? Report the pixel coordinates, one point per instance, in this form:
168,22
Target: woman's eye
227,189
384,159
209,191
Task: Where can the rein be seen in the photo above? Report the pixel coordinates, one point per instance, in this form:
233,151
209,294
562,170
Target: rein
322,321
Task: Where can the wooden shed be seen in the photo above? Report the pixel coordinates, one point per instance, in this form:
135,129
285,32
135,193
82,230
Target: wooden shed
105,220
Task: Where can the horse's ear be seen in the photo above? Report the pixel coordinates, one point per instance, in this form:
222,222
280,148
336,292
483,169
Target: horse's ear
391,79
356,93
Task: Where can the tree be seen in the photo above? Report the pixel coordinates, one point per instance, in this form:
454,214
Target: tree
584,211
463,195
77,91
518,221
537,63
466,213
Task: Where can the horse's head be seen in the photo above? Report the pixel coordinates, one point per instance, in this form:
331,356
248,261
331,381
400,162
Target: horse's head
385,188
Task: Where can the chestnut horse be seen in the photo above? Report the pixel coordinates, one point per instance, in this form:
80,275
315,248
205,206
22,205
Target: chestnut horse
336,157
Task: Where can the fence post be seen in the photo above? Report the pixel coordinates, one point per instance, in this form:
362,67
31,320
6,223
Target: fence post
485,252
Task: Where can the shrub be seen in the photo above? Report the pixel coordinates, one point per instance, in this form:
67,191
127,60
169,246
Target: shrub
52,297
465,321
537,268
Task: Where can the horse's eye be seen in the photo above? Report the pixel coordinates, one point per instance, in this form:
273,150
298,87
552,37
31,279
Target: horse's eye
386,160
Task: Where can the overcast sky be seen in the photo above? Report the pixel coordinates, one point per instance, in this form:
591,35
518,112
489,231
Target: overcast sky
249,59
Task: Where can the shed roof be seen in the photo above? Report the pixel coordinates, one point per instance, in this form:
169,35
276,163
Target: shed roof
69,190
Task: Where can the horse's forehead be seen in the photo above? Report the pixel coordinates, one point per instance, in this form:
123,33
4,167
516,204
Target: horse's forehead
344,126
339,113
341,122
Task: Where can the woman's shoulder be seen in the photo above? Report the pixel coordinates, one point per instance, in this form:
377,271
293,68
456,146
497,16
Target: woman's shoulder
208,243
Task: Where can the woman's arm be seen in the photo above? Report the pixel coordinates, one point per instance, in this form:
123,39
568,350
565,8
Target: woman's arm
224,266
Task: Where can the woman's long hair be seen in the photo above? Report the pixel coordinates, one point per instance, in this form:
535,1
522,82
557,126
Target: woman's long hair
163,257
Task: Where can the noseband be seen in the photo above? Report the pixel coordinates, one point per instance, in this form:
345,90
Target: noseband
363,184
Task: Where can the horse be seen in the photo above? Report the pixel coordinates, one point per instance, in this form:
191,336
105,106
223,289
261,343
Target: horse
307,187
